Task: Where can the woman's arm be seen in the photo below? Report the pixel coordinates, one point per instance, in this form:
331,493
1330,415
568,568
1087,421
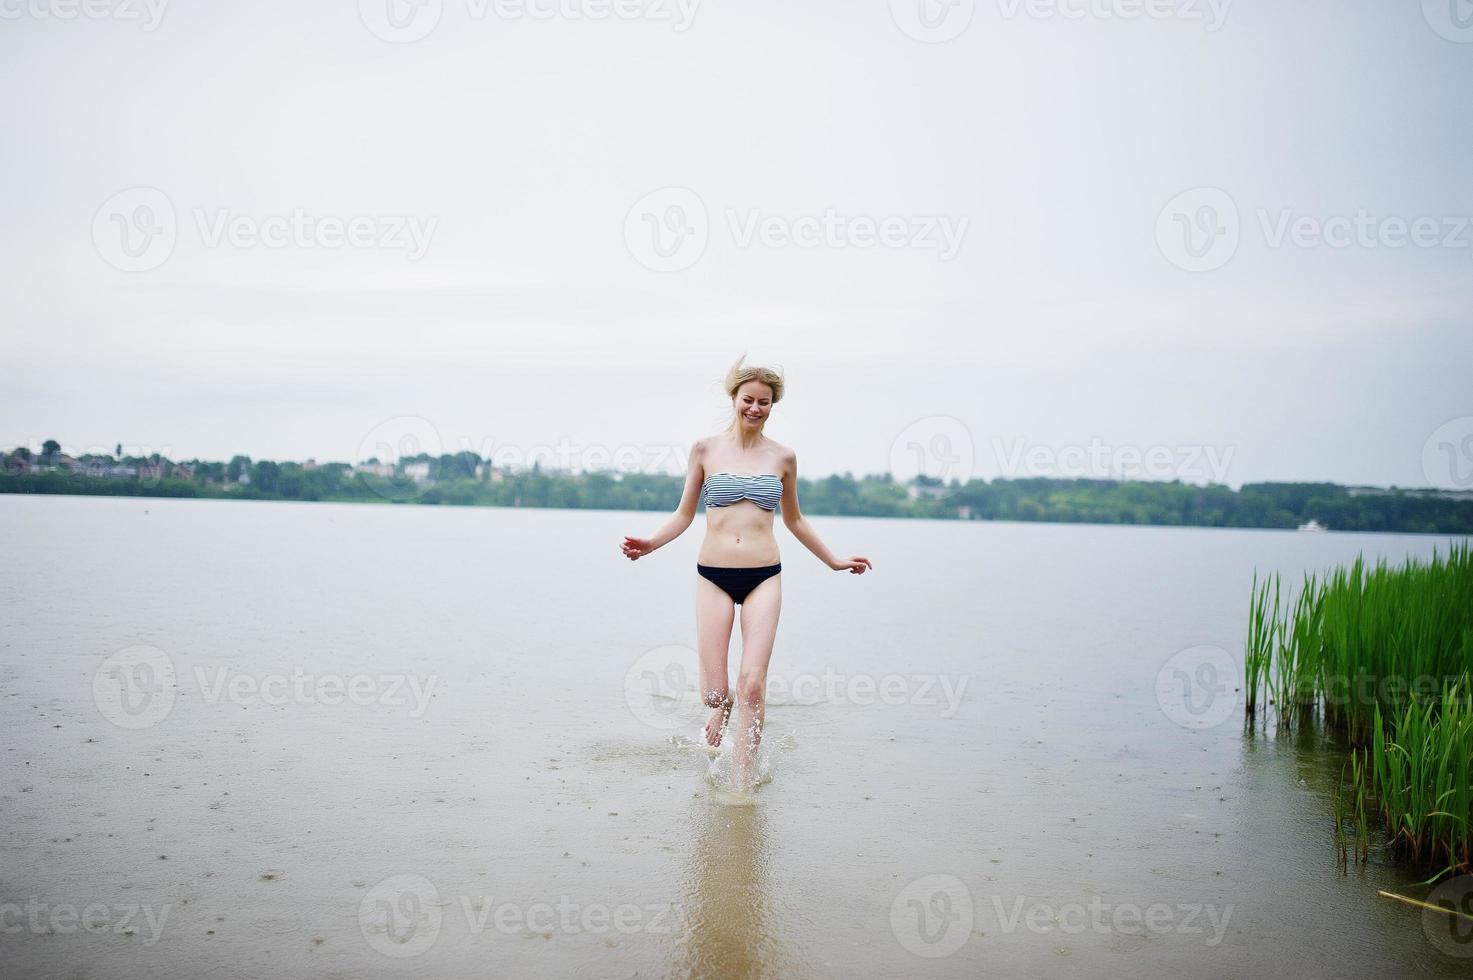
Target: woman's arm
695,476
802,530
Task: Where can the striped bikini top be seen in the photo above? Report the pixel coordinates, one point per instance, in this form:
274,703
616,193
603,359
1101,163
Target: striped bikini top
724,489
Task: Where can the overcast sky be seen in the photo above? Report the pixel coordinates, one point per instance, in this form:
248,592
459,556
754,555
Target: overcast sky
990,238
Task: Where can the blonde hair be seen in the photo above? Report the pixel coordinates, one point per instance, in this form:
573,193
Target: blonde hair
739,375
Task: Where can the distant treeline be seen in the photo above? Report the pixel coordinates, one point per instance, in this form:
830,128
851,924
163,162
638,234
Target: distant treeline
465,480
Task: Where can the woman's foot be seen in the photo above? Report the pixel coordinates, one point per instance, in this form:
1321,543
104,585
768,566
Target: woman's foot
717,722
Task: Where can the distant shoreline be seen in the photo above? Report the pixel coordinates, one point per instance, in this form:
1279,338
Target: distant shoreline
1263,506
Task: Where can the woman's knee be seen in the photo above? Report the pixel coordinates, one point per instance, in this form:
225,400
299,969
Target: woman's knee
751,689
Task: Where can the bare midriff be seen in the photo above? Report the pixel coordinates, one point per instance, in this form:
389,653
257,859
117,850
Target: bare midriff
739,536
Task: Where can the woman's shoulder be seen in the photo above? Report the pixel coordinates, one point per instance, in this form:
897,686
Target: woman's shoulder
785,455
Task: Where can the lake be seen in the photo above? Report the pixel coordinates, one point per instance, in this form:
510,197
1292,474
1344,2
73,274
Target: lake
261,738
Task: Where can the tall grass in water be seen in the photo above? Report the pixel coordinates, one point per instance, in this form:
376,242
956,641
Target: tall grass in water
1385,656
1421,769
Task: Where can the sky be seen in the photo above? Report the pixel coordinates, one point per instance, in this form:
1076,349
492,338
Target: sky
1176,239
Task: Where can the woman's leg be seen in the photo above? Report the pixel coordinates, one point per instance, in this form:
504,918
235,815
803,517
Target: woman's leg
714,614
760,612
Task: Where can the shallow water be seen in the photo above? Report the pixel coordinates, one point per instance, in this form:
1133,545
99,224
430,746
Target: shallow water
460,742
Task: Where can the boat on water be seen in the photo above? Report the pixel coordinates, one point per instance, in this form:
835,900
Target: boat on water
1312,525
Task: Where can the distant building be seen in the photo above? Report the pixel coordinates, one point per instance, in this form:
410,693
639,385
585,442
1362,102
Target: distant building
418,472
916,491
1423,492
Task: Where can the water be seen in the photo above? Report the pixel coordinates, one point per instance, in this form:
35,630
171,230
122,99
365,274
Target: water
969,768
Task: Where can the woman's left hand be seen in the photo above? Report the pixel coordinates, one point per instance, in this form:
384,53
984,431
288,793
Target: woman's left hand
856,565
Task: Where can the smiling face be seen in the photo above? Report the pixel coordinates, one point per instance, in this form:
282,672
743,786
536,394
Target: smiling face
752,404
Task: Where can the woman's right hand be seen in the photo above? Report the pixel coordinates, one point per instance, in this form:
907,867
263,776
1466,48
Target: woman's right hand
634,548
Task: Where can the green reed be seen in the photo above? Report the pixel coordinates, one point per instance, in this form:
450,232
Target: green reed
1384,655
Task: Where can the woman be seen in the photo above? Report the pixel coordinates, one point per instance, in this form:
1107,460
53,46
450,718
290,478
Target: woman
741,476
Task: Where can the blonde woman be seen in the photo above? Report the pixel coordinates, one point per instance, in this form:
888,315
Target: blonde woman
742,477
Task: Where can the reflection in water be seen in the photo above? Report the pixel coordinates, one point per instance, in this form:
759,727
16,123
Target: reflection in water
730,919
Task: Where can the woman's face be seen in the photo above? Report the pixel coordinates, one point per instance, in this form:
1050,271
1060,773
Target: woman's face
753,403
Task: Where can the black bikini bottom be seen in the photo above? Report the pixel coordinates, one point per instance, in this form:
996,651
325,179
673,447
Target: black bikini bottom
737,582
